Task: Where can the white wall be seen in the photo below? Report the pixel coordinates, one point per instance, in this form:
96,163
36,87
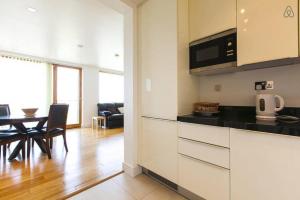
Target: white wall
90,94
130,164
238,88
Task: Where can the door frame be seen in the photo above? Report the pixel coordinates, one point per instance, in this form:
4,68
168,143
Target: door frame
54,91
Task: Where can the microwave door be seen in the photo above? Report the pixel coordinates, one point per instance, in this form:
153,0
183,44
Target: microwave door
206,54
211,54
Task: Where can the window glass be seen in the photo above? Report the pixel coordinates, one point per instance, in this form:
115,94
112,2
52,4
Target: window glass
25,84
68,91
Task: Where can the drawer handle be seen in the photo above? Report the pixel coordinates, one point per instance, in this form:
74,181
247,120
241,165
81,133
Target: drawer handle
200,142
192,158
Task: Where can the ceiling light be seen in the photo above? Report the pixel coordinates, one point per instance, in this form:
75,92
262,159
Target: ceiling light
30,9
243,11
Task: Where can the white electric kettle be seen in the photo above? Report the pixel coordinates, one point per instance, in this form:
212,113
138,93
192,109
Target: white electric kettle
267,105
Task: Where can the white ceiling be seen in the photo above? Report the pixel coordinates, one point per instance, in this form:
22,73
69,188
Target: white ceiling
57,27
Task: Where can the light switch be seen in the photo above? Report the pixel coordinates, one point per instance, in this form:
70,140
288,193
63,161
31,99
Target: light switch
148,85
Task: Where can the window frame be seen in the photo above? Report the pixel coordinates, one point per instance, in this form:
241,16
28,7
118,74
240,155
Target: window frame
54,92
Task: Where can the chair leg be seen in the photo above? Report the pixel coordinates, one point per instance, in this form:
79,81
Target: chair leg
28,147
23,150
4,151
48,148
51,143
32,143
65,142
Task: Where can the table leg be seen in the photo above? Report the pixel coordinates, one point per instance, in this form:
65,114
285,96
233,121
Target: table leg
23,151
41,144
20,127
16,151
21,145
28,146
41,124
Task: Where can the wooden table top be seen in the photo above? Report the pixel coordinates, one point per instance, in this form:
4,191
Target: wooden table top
14,119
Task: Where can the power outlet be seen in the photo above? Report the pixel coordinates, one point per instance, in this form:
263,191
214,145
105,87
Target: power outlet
270,85
264,85
218,88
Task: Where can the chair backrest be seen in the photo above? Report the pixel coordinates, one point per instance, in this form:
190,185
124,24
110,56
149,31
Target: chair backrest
57,117
4,110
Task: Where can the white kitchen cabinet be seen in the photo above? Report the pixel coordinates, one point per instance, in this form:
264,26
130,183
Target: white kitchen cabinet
266,30
264,166
203,160
163,43
158,58
208,153
158,147
208,17
203,179
203,133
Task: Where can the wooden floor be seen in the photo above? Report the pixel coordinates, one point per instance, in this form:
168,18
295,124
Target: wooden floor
92,157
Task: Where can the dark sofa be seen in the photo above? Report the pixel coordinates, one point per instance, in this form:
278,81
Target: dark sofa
114,118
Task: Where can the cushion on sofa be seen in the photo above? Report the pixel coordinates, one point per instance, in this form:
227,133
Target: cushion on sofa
116,117
121,110
105,113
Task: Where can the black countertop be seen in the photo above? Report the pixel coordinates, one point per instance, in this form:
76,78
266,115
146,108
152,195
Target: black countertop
245,118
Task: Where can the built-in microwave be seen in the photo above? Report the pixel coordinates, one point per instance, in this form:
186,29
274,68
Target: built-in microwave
214,52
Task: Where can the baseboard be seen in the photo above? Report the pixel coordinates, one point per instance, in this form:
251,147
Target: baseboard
132,171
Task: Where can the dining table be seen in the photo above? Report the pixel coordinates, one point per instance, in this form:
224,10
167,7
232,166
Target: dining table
18,121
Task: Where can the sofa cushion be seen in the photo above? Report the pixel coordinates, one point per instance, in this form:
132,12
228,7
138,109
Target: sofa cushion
105,113
116,117
121,110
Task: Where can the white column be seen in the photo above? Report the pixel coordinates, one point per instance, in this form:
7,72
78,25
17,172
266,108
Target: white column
130,164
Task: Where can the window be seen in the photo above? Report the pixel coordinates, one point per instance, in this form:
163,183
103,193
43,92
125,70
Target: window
111,88
25,84
67,89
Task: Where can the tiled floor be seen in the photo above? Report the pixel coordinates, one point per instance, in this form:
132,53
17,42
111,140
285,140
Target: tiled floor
123,187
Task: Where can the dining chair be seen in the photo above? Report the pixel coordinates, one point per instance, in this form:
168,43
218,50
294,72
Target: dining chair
7,138
56,126
5,111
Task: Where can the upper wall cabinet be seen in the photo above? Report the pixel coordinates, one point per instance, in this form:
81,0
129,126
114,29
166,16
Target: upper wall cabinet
208,17
267,30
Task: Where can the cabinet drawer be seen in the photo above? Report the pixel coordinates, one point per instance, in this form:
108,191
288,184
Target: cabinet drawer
205,180
205,152
203,133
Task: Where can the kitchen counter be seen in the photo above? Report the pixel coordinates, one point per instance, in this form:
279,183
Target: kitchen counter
245,118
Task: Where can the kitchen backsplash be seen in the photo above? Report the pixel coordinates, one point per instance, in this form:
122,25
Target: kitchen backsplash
237,89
